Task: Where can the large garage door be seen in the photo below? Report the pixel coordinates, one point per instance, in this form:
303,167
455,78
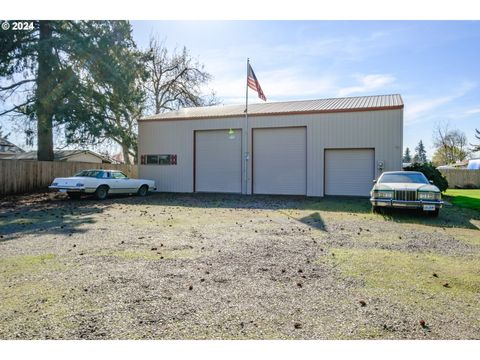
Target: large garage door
280,161
218,161
349,171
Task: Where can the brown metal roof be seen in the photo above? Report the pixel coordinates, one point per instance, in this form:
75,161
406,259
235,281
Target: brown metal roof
347,104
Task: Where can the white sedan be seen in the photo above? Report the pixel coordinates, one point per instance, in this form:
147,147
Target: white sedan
101,183
406,189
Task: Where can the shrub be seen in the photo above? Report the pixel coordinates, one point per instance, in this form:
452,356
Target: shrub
431,173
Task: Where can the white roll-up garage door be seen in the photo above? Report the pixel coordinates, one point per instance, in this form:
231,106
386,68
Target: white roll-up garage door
349,171
218,161
280,161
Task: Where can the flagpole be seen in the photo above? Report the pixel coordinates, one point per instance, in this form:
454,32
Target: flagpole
246,153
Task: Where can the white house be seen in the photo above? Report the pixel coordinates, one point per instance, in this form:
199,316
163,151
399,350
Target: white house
314,147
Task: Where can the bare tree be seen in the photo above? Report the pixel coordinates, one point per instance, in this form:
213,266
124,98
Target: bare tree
477,136
175,80
2,135
451,144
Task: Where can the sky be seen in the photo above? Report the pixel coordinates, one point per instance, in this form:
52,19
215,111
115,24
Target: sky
434,65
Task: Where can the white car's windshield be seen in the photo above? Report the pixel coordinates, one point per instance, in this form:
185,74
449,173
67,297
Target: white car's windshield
404,178
90,173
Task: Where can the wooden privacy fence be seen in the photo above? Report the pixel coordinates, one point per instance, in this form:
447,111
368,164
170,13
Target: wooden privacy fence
23,176
460,178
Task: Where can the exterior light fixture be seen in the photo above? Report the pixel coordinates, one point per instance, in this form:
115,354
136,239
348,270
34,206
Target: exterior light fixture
231,134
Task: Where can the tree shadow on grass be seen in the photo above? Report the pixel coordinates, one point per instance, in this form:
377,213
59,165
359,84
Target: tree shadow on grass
450,216
51,215
57,214
236,201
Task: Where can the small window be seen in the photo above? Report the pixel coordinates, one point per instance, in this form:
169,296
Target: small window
152,159
170,159
164,159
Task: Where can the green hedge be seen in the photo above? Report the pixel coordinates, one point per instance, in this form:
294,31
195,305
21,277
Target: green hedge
431,173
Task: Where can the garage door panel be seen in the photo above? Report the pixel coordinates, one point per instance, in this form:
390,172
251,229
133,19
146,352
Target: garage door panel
218,162
349,171
280,161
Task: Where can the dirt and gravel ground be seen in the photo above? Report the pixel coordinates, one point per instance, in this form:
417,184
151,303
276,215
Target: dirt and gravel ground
173,266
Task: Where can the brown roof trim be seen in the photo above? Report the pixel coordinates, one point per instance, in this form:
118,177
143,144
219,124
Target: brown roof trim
311,112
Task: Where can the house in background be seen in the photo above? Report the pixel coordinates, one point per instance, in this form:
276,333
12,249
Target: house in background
65,155
8,149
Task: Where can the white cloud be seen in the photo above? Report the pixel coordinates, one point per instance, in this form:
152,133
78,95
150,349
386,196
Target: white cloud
418,109
351,48
368,83
286,83
472,111
289,74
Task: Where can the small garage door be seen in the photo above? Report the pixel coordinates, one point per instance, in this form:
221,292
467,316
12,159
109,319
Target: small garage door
280,161
218,161
349,171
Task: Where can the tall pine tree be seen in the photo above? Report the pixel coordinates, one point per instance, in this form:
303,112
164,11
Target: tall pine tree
406,156
47,74
420,153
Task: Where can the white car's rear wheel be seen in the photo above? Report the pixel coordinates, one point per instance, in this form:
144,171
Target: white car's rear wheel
102,192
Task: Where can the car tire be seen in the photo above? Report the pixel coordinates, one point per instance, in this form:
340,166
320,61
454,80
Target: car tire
74,195
143,190
434,213
378,210
102,192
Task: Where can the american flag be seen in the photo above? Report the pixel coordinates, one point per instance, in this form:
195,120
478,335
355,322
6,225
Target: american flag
253,83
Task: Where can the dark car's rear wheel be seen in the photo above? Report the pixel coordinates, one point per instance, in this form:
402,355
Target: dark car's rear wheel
102,192
143,190
73,195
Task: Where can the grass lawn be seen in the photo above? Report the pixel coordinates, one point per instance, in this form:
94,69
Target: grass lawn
467,198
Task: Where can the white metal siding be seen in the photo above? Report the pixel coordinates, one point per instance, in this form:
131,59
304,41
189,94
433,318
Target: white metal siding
218,161
349,171
381,130
280,161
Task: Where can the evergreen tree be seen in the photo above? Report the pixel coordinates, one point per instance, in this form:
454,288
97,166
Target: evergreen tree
406,156
50,68
420,153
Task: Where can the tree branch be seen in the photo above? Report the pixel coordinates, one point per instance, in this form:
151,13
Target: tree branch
16,107
16,84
